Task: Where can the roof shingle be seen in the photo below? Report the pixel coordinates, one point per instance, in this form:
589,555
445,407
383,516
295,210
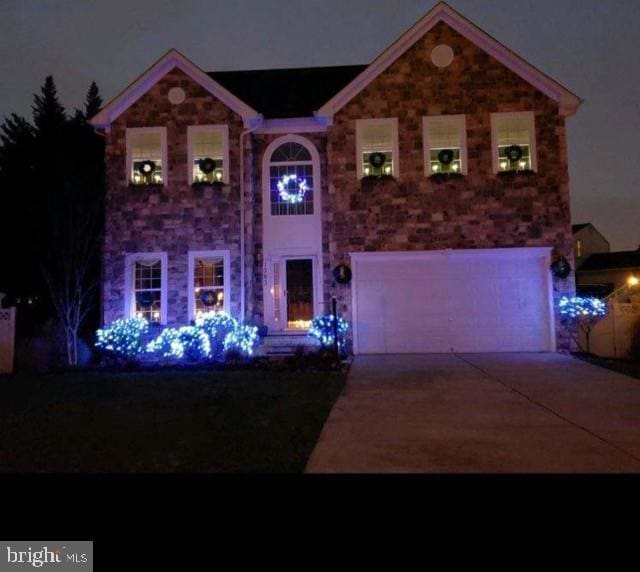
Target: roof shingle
282,93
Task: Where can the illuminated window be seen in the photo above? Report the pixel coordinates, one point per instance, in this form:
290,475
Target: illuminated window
209,290
146,155
377,147
208,153
579,248
146,286
291,180
514,141
445,141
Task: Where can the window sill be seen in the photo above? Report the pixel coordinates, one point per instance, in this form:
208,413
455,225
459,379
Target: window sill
205,184
516,173
149,187
443,177
373,180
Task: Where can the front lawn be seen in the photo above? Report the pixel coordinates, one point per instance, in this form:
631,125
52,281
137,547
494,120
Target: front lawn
231,421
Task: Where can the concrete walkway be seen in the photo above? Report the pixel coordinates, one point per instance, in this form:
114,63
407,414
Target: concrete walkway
484,413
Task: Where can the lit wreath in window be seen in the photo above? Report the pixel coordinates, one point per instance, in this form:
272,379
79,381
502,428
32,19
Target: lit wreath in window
208,298
146,168
291,189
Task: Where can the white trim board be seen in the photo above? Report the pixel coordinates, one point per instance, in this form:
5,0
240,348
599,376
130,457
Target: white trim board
222,130
129,260
442,12
226,260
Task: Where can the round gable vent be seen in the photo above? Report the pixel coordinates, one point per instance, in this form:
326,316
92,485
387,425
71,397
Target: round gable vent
176,95
442,56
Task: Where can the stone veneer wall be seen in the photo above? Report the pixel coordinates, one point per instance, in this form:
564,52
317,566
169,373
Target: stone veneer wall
175,218
479,211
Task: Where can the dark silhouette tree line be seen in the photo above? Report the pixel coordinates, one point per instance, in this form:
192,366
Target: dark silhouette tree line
52,197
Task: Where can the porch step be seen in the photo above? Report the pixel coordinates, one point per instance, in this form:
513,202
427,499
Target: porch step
286,344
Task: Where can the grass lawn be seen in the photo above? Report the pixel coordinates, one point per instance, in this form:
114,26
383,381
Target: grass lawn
627,367
230,421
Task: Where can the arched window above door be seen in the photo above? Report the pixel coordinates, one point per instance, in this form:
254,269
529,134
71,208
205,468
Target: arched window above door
291,181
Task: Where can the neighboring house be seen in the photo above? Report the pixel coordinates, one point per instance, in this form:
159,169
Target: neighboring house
603,273
437,174
587,240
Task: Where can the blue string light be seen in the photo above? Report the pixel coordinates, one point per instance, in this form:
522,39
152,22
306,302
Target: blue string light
582,307
214,334
322,330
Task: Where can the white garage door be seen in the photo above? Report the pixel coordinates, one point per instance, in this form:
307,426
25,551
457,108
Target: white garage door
453,301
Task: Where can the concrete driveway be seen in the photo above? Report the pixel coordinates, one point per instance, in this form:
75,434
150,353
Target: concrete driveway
484,413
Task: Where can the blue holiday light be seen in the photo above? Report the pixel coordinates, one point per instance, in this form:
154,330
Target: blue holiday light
322,330
122,338
213,335
582,307
285,193
243,339
187,342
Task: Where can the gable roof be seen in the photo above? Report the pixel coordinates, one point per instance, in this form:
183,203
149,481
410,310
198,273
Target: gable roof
171,60
611,261
442,12
263,89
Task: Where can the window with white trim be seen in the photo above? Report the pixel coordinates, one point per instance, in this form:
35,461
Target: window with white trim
146,155
291,180
209,282
208,153
445,144
146,286
377,147
513,141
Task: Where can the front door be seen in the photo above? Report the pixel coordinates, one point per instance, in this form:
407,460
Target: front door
299,293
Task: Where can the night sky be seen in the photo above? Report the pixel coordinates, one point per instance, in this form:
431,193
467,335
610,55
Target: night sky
590,46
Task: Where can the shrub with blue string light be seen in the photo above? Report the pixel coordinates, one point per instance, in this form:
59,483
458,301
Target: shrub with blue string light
322,330
217,325
583,311
122,338
243,339
212,337
188,342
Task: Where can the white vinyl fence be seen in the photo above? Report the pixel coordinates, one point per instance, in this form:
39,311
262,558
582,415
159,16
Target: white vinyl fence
613,335
7,335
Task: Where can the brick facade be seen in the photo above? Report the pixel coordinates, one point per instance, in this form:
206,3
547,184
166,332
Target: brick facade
480,210
175,218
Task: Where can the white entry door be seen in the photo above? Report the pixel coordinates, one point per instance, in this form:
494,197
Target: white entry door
453,301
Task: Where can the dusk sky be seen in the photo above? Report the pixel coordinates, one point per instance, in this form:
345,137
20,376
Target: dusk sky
592,47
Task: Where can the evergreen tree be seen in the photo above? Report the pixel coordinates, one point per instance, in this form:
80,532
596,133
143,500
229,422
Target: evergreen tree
93,101
48,113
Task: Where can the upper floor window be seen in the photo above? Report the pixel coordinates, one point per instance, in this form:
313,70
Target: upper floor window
513,141
146,155
291,180
208,153
146,286
445,144
377,147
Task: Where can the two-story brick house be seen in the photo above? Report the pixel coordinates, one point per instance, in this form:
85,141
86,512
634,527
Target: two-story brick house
427,191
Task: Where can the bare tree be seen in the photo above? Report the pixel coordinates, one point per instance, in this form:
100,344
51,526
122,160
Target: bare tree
69,268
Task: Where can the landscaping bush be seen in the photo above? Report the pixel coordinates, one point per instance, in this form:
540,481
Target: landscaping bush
214,337
242,339
217,325
187,342
322,330
122,339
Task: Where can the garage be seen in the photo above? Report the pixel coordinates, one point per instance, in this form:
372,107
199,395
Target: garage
489,300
